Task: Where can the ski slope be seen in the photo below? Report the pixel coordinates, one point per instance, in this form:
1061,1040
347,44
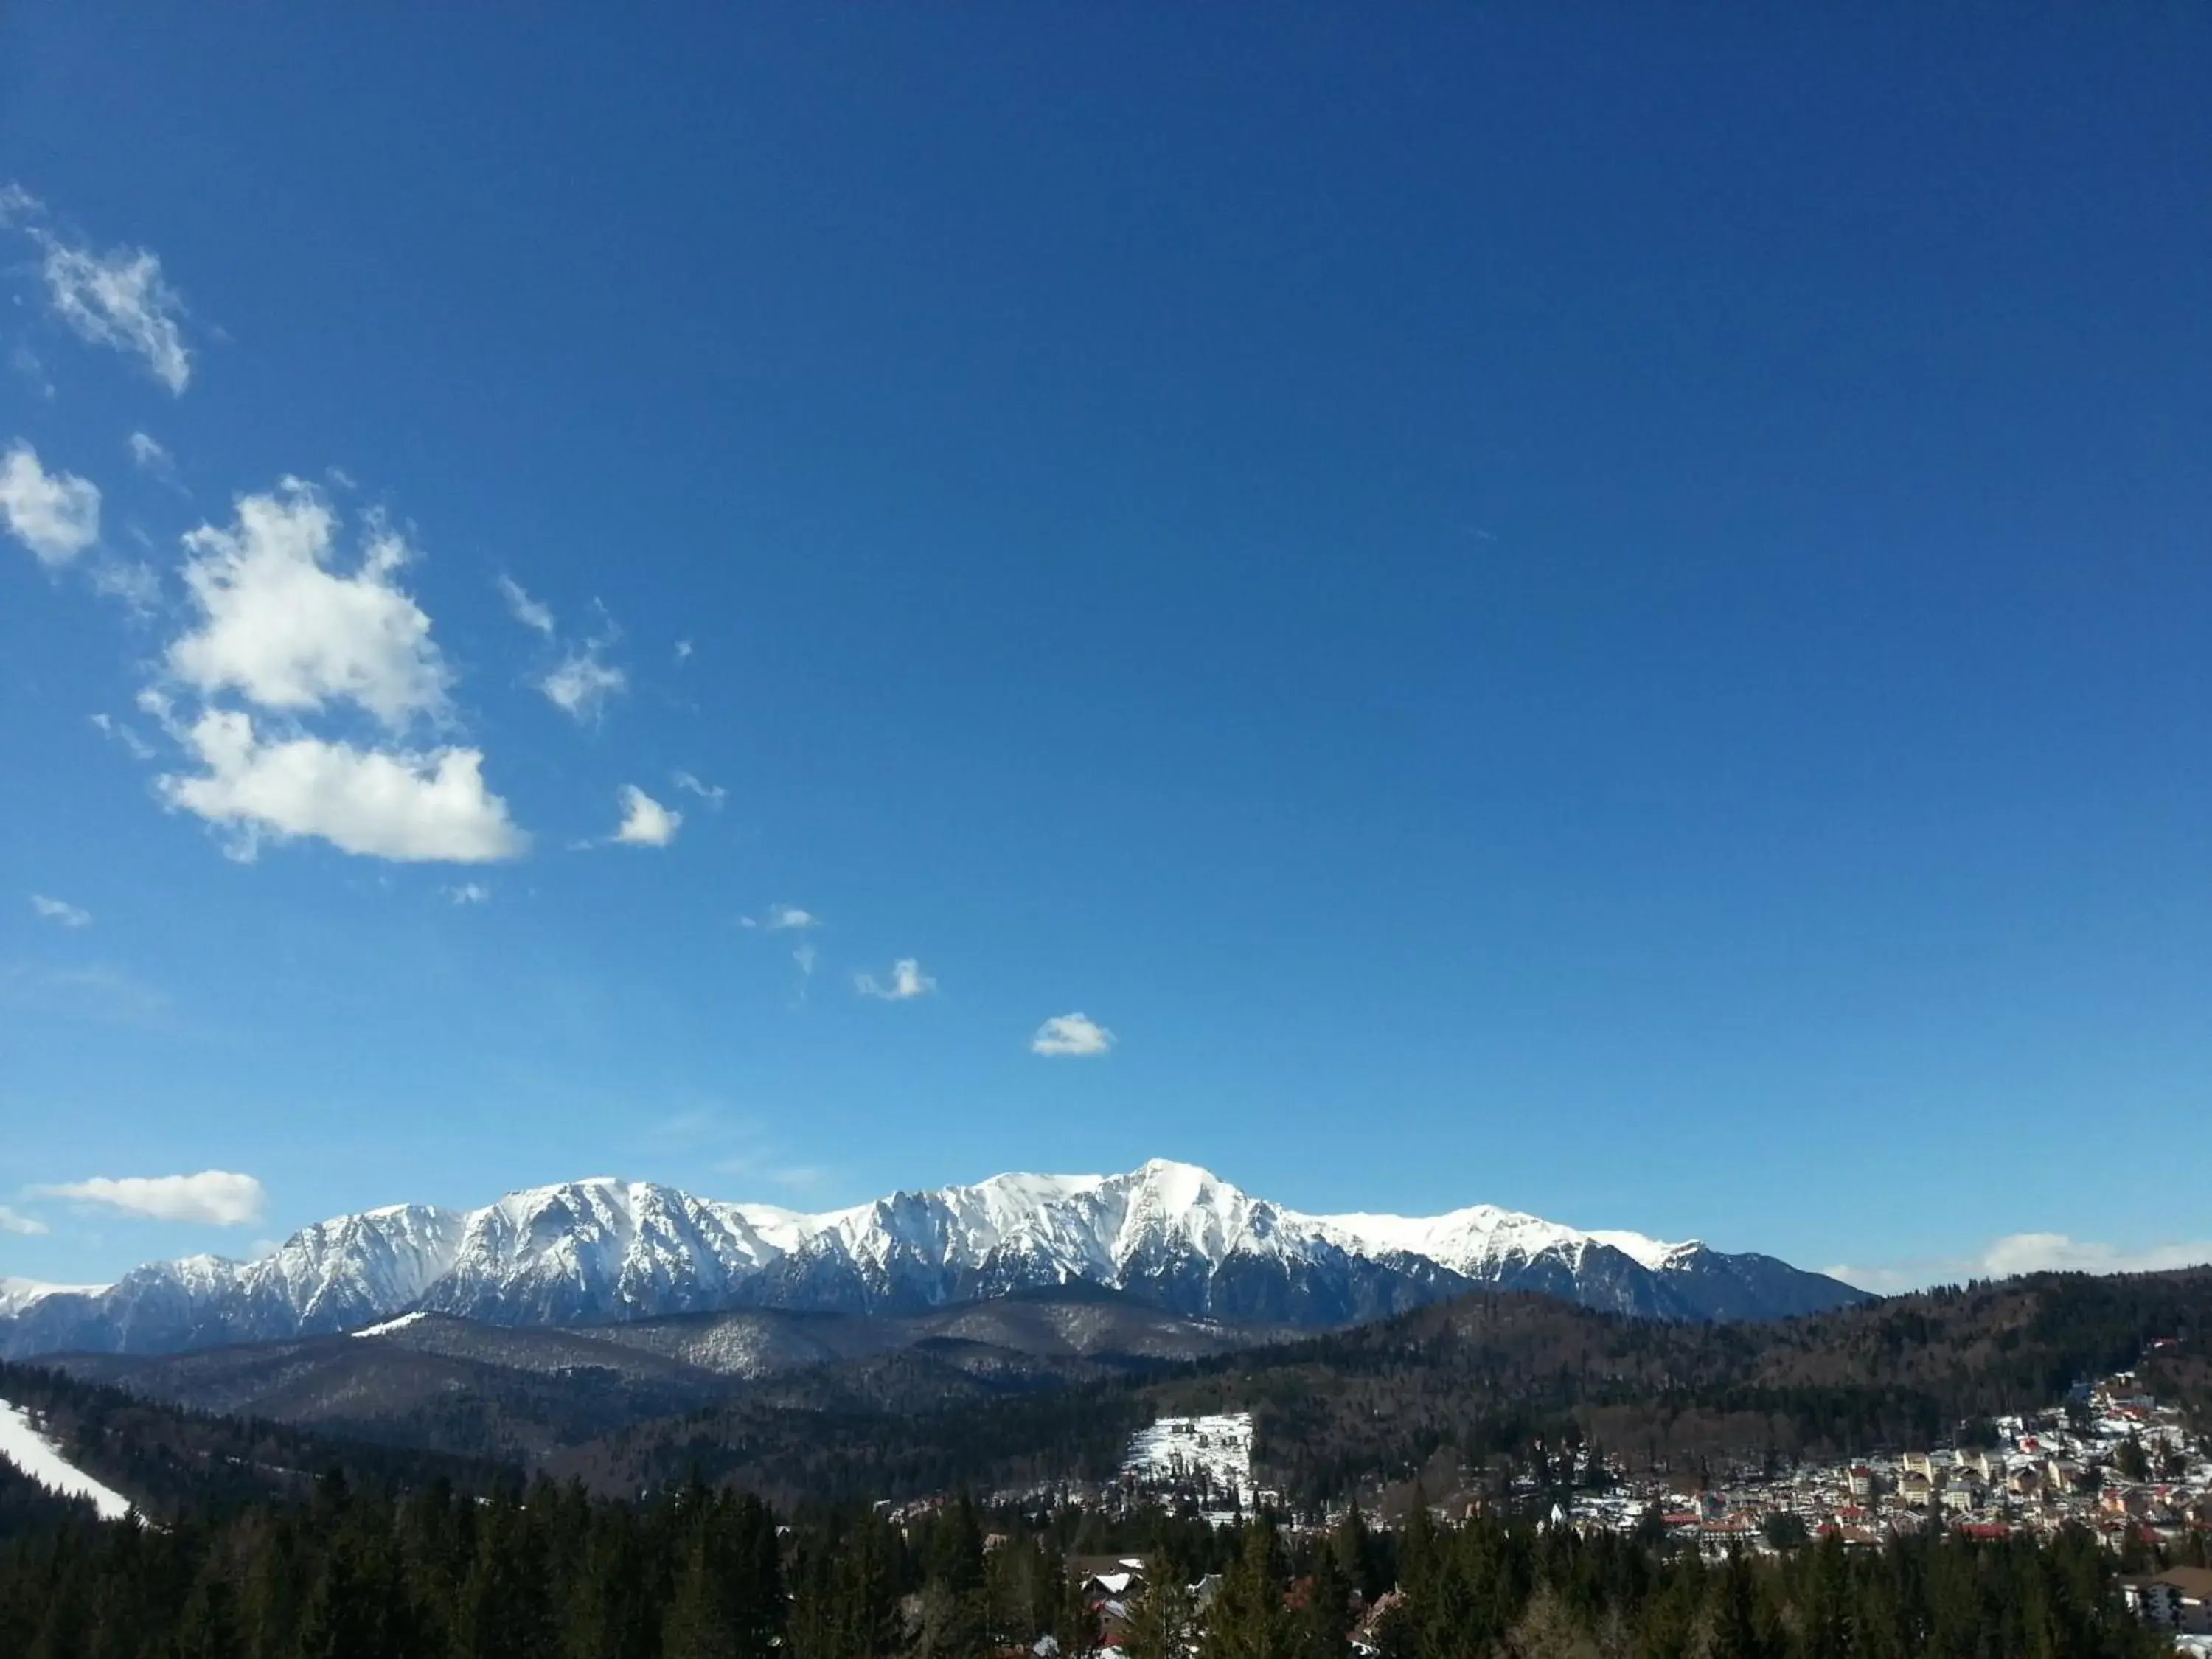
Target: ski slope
1178,1450
21,1444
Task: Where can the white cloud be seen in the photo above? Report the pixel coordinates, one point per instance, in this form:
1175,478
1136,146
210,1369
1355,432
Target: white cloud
2024,1253
17,204
534,614
215,1197
119,299
287,632
805,957
683,651
1071,1036
2035,1253
54,909
714,794
581,684
110,726
470,892
378,803
15,1221
134,582
149,457
783,918
908,981
645,822
55,515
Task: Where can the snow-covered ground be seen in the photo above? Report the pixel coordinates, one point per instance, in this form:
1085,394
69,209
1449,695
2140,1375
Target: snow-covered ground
21,1444
1179,1449
391,1325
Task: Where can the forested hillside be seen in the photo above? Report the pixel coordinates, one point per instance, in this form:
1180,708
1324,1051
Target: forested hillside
706,1574
172,1462
1488,1376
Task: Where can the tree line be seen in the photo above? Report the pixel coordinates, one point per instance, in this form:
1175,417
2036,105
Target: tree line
553,1574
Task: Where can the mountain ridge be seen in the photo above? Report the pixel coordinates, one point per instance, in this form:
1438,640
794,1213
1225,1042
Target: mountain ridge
1173,1234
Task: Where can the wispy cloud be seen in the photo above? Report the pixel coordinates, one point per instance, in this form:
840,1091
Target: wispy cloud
1071,1036
108,725
782,919
55,515
119,299
147,455
534,614
218,1198
469,892
713,794
60,911
645,822
15,1221
581,684
94,992
907,982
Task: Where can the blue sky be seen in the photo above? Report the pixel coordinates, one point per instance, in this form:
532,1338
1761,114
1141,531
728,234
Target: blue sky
1541,605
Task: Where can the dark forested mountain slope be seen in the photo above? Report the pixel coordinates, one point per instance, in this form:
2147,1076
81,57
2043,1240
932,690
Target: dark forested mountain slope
1487,1374
169,1461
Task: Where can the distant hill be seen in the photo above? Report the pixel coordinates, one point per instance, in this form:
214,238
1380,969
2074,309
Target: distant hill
434,1381
1481,1376
168,1459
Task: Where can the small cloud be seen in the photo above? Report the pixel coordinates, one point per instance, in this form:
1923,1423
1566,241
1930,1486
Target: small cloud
278,625
683,651
645,822
907,982
119,299
136,584
15,1221
469,892
796,1176
789,918
1071,1036
580,685
375,803
17,205
55,515
216,1198
534,614
2036,1253
713,794
147,455
2024,1253
92,992
686,1130
108,725
56,911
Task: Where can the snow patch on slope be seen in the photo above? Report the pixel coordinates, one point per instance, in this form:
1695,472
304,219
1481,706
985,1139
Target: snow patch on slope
1214,1451
391,1325
38,1457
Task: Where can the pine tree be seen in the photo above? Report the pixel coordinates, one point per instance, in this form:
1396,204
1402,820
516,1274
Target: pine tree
1159,1623
1326,1626
1248,1620
207,1628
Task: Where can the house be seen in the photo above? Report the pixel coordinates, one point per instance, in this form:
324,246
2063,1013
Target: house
2179,1599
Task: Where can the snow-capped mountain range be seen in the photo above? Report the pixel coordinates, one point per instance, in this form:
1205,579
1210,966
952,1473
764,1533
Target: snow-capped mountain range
1170,1234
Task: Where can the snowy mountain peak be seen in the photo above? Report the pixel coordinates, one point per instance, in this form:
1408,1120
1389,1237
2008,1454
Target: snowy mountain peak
1169,1232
